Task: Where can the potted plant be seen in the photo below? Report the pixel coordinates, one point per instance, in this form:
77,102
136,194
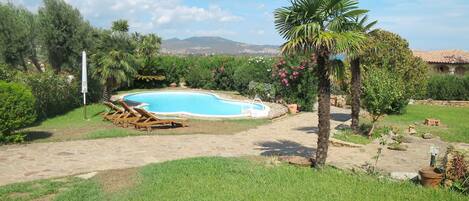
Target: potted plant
430,177
293,108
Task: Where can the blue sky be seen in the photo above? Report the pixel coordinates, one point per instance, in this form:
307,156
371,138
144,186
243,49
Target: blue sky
426,24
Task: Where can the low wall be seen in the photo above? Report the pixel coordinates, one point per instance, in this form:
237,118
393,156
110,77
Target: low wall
439,102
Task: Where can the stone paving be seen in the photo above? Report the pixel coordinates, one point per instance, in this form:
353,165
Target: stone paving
294,135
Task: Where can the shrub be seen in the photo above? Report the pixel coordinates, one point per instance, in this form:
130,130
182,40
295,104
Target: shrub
448,87
199,77
16,110
264,91
7,74
55,94
175,68
295,82
256,69
383,93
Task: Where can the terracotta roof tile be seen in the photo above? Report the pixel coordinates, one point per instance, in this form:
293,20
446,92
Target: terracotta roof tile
444,56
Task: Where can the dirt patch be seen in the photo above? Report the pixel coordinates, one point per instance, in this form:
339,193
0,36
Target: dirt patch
116,180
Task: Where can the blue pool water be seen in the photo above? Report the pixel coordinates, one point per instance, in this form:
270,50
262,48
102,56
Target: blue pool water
196,104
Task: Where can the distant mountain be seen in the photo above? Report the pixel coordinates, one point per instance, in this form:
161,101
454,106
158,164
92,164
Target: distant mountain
215,45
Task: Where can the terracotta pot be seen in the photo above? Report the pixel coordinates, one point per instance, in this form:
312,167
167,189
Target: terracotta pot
430,177
293,108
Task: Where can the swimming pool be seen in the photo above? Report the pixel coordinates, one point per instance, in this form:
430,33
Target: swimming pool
197,104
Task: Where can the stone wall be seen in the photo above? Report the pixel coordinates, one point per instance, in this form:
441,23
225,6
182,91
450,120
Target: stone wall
446,103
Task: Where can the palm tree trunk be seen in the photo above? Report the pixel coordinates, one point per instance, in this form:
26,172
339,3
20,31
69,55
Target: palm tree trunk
356,93
106,92
324,109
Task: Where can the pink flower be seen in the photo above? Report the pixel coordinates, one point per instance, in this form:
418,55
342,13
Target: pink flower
285,82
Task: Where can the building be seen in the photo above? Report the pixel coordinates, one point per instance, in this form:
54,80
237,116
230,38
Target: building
454,62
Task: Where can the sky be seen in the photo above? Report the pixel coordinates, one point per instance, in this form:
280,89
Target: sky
426,24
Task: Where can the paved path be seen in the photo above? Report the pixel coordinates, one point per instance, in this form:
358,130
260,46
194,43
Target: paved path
293,135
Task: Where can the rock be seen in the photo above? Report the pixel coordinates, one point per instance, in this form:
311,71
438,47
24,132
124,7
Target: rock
412,130
87,175
297,160
427,136
173,85
404,175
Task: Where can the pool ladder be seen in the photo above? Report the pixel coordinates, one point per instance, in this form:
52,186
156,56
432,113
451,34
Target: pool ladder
251,110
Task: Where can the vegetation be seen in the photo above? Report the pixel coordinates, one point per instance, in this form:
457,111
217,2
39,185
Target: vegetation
224,179
64,33
295,82
321,27
383,92
454,121
16,110
18,38
448,87
389,50
355,68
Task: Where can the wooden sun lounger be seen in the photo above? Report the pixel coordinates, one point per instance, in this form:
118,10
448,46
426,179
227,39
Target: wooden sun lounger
130,115
114,111
149,120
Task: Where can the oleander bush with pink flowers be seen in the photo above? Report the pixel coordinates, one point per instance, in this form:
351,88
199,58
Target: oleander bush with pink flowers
295,81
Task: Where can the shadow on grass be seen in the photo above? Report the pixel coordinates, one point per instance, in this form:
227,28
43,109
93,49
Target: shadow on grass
285,148
36,135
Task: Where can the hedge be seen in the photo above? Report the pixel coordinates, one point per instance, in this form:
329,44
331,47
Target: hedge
448,87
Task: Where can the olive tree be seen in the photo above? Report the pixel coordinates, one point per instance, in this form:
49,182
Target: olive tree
64,33
18,36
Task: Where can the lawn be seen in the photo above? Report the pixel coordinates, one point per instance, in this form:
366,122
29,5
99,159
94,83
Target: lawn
455,122
72,126
224,179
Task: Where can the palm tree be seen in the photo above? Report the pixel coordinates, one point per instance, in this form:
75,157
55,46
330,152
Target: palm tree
356,73
113,69
324,28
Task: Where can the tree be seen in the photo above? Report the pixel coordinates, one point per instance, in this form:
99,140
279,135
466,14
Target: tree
114,62
18,36
390,51
382,90
324,27
148,46
63,31
355,69
114,69
120,25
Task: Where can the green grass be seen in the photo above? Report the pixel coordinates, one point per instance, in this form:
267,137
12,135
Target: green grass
455,121
349,136
240,179
73,126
